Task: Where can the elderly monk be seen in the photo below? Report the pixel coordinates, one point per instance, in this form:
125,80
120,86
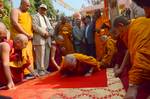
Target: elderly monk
65,29
137,41
12,62
79,64
21,23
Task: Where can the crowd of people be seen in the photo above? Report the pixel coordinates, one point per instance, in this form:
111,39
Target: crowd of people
87,45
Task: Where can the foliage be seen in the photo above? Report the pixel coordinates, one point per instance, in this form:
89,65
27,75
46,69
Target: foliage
32,9
5,13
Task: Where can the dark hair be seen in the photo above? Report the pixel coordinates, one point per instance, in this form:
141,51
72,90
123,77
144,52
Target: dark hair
105,26
142,3
88,17
120,19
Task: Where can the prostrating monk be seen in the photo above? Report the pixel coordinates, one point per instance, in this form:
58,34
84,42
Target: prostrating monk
21,23
79,64
12,62
109,51
57,51
65,29
136,36
98,42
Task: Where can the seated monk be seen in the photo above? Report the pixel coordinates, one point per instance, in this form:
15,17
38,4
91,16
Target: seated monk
137,41
57,51
12,62
79,64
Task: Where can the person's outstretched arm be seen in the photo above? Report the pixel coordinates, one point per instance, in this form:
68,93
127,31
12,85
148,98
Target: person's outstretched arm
53,52
5,60
118,69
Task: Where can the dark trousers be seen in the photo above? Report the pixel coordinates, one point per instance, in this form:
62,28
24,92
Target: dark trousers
90,50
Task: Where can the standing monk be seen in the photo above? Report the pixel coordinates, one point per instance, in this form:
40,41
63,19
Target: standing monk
21,22
137,41
65,29
98,42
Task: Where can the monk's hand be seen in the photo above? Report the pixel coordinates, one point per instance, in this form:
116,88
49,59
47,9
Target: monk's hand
11,85
58,67
131,92
117,72
46,35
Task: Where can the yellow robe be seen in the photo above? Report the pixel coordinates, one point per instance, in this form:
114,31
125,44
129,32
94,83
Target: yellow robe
66,31
83,63
25,20
139,49
110,50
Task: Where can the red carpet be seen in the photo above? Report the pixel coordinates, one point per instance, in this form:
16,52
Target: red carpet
30,88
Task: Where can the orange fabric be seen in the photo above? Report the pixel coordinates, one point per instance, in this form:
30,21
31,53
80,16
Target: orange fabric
110,50
139,49
66,31
25,21
98,42
84,64
87,60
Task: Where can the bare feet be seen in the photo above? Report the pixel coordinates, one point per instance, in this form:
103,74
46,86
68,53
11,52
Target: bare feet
131,93
11,85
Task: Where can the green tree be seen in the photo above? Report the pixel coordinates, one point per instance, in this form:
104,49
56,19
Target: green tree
51,11
5,13
32,9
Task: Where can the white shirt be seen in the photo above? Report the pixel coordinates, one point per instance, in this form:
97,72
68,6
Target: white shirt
42,21
86,31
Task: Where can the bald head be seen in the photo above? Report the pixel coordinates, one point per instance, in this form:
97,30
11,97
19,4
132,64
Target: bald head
70,62
3,31
25,1
20,41
120,26
21,37
120,20
25,5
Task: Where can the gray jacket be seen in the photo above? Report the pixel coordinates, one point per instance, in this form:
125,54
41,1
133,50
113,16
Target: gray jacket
38,33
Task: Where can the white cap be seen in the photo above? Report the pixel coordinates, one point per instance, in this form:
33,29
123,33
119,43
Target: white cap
43,6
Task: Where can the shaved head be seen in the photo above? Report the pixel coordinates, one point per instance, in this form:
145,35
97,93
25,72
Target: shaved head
3,31
70,62
25,1
21,37
25,5
20,41
120,20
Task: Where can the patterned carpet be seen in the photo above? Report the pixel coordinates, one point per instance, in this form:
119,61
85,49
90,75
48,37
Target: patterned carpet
114,90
